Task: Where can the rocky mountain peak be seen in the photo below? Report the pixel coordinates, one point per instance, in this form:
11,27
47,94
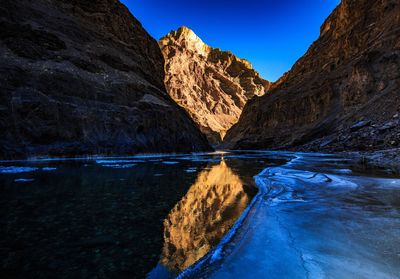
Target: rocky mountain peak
212,85
186,37
185,33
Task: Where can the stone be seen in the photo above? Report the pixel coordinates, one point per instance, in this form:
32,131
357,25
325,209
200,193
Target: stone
387,126
84,77
327,142
333,85
211,85
360,125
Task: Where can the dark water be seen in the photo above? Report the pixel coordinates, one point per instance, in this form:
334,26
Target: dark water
117,217
219,215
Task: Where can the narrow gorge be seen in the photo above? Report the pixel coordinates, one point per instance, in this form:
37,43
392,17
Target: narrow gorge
123,156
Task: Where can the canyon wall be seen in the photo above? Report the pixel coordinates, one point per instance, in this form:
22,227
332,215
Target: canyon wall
212,85
343,94
84,77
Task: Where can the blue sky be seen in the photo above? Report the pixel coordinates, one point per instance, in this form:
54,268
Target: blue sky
271,34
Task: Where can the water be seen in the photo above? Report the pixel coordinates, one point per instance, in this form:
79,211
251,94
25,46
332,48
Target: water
106,217
217,215
314,218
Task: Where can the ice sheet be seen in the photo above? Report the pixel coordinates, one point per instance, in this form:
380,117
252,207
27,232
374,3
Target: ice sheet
119,166
308,224
16,169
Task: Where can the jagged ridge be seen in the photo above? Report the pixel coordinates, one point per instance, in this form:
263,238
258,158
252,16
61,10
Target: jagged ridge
212,85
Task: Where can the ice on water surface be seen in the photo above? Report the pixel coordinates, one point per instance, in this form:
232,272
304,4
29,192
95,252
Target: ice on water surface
119,166
170,162
49,169
314,222
105,161
24,180
16,169
191,170
313,217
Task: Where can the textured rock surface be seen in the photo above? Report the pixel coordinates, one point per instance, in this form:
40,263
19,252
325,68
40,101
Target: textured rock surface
350,75
212,85
84,77
387,160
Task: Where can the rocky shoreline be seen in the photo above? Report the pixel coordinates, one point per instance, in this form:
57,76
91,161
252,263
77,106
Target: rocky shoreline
388,160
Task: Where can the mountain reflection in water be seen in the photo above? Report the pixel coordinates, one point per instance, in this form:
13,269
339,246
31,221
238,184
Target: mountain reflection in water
203,216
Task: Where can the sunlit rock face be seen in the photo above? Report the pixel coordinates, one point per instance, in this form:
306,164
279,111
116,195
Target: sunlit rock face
212,85
349,75
84,77
202,217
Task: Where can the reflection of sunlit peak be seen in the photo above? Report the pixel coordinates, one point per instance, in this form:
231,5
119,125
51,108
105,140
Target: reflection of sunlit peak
203,216
222,134
217,152
220,152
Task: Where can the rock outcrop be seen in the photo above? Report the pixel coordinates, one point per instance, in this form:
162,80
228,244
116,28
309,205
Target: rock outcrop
84,77
212,85
343,94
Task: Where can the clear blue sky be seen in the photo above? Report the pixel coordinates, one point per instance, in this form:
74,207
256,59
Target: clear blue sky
271,34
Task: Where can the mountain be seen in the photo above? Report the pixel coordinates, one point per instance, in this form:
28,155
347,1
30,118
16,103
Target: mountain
212,85
84,77
343,94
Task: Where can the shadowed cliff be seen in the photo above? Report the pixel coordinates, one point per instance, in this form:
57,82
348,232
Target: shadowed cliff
343,94
84,77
